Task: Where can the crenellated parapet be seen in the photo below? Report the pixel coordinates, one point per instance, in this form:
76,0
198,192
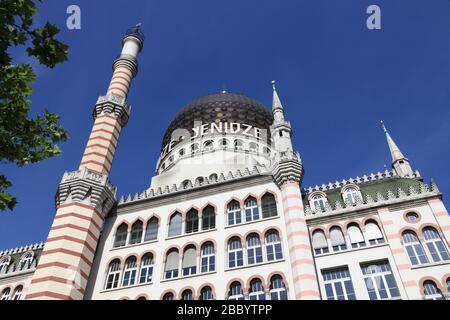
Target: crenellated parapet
373,177
368,201
114,105
88,187
189,185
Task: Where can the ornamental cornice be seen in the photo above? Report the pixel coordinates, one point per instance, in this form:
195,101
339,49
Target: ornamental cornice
113,105
87,187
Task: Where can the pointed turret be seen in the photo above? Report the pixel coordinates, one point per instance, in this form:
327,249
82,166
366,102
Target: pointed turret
399,162
277,107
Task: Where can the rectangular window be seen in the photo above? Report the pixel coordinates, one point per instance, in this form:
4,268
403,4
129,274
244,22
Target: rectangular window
169,274
146,274
128,278
208,263
113,281
189,270
235,259
338,284
379,280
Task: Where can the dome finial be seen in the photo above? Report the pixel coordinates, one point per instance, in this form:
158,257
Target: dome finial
273,84
383,126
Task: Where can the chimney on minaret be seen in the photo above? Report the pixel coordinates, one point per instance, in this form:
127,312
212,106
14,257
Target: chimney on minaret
84,197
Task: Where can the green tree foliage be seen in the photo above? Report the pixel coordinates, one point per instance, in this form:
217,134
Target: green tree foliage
24,139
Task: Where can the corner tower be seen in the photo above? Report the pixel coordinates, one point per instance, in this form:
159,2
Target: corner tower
288,175
84,197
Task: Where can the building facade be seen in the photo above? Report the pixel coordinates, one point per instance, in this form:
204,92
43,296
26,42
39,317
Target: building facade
226,216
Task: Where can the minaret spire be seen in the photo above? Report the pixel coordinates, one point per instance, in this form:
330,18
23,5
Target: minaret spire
277,107
288,175
85,196
399,162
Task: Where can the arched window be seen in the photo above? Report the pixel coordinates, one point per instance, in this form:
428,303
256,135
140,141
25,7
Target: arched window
235,253
130,271
121,235
146,275
206,293
337,239
435,245
213,177
26,260
318,203
223,143
251,209
190,261
208,258
175,224
151,232
192,221
350,195
414,248
373,233
319,242
195,148
112,278
172,264
168,296
187,295
273,246
431,291
185,183
356,236
236,292
208,145
412,216
253,147
234,213
277,288
268,206
199,181
142,298
5,294
136,232
256,290
208,218
18,293
254,249
182,152
4,264
238,144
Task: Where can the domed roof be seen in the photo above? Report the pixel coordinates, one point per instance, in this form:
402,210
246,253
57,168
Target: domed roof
221,107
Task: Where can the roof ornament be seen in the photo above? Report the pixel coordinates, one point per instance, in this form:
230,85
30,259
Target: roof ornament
276,103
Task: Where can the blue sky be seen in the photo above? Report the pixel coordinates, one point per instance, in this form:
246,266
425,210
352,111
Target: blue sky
335,77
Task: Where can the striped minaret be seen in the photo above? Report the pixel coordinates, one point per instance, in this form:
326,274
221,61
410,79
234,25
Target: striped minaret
85,196
288,174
